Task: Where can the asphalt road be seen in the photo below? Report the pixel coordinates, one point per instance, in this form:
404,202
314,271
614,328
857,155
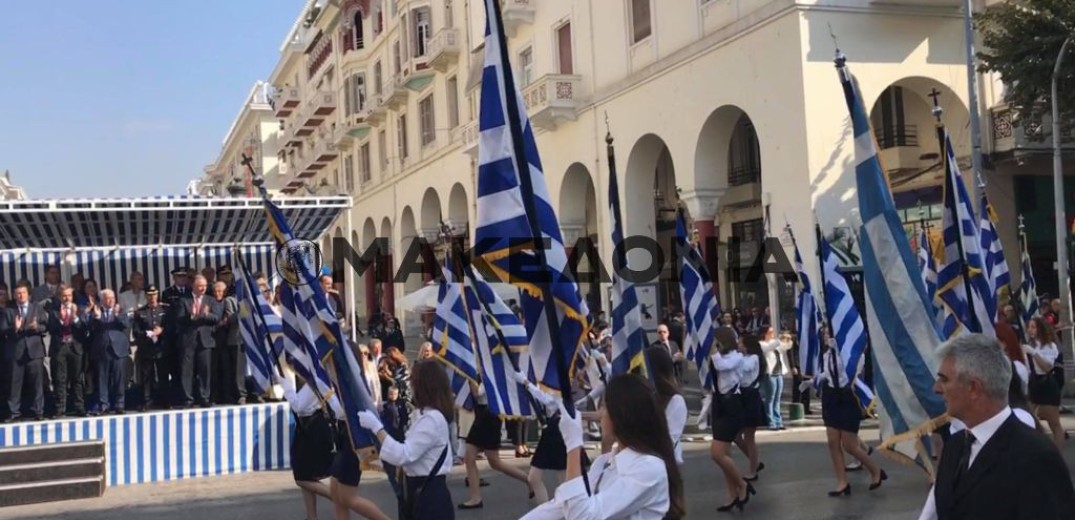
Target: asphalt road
793,485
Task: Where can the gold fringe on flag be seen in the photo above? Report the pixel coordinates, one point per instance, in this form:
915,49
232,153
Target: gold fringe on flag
888,446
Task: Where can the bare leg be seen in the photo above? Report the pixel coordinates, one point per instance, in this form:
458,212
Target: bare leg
853,446
750,448
347,498
309,500
718,450
1051,416
837,455
317,488
470,459
537,484
496,463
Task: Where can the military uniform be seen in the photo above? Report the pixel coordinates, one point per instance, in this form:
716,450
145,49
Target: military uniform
171,300
153,353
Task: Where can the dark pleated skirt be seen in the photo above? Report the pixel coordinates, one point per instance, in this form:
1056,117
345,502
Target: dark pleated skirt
839,409
551,452
727,417
754,415
485,432
346,468
312,449
1043,390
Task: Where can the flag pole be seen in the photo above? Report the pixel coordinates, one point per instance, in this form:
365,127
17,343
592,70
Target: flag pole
821,269
522,166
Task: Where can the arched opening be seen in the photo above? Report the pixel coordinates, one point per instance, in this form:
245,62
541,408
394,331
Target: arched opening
409,237
578,223
372,287
649,209
357,39
359,294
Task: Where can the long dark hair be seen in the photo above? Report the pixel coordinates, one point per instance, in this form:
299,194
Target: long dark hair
664,375
1046,334
431,388
753,346
638,423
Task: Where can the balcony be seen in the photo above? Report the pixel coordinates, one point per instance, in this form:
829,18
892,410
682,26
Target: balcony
899,149
468,135
417,73
1018,139
517,13
444,49
285,101
552,99
744,186
355,127
378,110
323,153
394,94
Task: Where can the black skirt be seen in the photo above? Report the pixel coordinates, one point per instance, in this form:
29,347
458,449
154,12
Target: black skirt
840,410
485,432
727,417
1043,390
346,468
432,502
754,415
551,453
312,449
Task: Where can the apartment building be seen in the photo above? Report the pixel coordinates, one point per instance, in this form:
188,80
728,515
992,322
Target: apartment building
253,133
8,190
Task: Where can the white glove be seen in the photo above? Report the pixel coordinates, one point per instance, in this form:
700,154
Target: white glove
370,421
581,403
1027,349
520,378
546,400
570,429
287,384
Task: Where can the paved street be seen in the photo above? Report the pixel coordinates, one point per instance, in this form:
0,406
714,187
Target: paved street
792,486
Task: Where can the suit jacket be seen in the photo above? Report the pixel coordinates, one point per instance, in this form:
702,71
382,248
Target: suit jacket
42,293
228,328
110,336
78,331
1017,475
27,340
196,331
145,319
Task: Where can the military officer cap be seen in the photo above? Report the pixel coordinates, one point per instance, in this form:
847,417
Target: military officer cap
152,290
180,271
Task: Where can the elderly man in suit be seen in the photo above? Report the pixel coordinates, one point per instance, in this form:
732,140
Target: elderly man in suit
22,328
67,334
998,467
197,319
228,359
110,346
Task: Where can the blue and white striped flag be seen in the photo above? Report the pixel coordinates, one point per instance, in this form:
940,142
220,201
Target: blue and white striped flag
628,338
296,329
451,327
310,314
849,331
963,269
699,303
928,266
500,342
1028,289
808,320
260,328
904,338
514,207
997,276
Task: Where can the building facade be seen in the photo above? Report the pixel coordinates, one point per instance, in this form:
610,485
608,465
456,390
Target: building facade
253,133
729,108
8,190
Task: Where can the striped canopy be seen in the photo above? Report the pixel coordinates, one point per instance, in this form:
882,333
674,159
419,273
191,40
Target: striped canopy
132,223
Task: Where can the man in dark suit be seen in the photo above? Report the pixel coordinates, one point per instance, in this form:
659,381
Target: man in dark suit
228,359
171,300
67,333
22,329
997,467
151,357
668,345
110,347
197,319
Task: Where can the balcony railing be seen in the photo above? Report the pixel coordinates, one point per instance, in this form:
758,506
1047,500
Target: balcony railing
286,100
394,93
468,135
444,49
891,137
744,174
517,13
553,99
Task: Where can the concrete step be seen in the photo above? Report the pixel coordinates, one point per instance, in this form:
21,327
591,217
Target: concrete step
51,452
51,471
51,491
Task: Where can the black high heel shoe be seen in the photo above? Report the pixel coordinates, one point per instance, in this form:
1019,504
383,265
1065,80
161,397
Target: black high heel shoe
727,508
846,491
875,485
750,491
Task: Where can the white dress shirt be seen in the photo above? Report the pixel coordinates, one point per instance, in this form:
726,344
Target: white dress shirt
132,301
727,367
827,363
774,350
426,440
304,402
982,433
1047,353
749,371
627,485
675,413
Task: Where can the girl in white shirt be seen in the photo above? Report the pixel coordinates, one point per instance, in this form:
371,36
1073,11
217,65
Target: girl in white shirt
424,456
1044,390
726,420
751,372
311,445
639,480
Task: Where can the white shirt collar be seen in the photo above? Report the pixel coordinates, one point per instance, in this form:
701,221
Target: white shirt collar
985,431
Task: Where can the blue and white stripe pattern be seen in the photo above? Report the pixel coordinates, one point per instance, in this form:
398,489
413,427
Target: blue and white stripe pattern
451,336
997,276
628,338
173,445
26,265
928,266
312,315
510,179
842,313
699,303
1028,290
904,338
808,321
965,313
257,322
297,319
499,339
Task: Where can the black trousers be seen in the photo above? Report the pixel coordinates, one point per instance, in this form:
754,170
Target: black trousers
68,380
153,373
111,381
29,373
196,363
229,374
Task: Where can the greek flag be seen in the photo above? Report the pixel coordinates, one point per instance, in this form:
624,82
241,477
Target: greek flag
259,326
843,315
499,339
1028,290
699,303
962,270
809,319
628,338
996,267
929,270
904,336
309,313
299,351
451,328
515,210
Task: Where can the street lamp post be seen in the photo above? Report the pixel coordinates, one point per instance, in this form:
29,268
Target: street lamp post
1058,207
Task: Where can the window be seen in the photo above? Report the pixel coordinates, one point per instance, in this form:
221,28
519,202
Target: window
378,80
640,20
423,31
382,150
401,137
405,37
563,49
453,102
426,120
526,66
889,122
349,173
347,93
449,19
356,32
364,164
397,65
744,154
358,82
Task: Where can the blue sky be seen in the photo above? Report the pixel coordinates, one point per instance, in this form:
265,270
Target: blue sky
121,98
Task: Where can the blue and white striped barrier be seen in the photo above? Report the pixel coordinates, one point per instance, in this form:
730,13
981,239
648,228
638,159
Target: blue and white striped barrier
174,445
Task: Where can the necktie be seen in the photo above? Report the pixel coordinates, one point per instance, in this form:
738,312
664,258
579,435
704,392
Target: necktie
22,311
197,305
964,456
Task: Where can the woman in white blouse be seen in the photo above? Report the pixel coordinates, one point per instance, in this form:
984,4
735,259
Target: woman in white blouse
727,419
424,456
1044,389
311,445
751,374
638,480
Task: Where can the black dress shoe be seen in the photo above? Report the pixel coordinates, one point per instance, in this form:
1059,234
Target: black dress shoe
846,491
875,485
465,505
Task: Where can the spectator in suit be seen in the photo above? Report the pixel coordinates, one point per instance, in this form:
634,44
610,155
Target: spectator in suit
22,329
110,347
197,318
228,358
675,352
67,331
47,291
5,296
